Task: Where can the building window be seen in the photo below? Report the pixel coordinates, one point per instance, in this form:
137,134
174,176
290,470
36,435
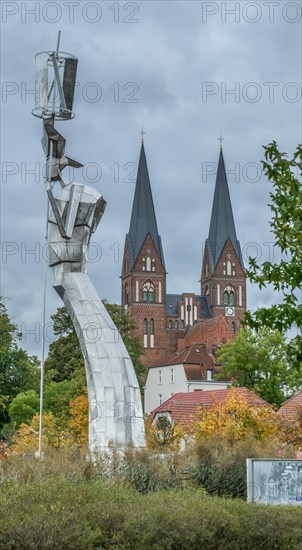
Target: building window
148,292
209,375
160,380
218,294
126,293
229,296
170,325
240,295
207,270
224,268
176,324
144,264
233,327
153,265
195,314
229,268
182,324
172,376
160,398
234,270
152,333
148,264
145,333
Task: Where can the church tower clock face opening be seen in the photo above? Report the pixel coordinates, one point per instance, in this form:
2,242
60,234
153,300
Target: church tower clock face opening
163,319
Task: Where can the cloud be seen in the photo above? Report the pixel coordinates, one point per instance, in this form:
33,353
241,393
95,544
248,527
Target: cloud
170,55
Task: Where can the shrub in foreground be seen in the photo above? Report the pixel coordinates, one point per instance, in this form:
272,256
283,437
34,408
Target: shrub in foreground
97,514
220,463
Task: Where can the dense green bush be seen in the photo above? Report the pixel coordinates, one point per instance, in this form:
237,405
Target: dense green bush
95,514
220,464
229,481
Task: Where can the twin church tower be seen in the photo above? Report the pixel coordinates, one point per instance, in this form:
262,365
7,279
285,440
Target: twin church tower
167,323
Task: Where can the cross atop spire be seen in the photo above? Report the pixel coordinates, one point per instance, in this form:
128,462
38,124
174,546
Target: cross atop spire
221,139
142,132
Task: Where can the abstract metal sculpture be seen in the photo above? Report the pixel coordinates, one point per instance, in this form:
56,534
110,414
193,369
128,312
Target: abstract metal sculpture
115,408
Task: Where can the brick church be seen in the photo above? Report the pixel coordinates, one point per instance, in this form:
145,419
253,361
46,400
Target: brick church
167,323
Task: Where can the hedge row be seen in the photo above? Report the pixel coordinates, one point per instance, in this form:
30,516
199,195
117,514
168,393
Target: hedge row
98,514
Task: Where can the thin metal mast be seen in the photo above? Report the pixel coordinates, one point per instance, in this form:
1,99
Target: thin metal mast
48,177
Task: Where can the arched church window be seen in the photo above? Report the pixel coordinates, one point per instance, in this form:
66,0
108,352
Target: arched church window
182,324
224,268
229,296
234,270
176,324
233,327
145,326
153,264
148,264
170,324
207,270
148,292
152,327
144,264
229,268
207,291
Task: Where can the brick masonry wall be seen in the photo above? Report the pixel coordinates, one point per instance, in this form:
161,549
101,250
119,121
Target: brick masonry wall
211,280
166,341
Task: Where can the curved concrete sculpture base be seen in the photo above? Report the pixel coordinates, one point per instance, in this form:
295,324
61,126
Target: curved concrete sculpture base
115,408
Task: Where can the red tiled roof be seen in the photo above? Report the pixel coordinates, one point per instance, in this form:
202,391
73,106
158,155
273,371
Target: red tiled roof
198,372
184,407
290,407
193,354
199,331
195,360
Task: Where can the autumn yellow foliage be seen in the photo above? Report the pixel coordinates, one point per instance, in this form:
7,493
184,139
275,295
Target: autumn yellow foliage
290,429
3,450
57,432
78,423
235,419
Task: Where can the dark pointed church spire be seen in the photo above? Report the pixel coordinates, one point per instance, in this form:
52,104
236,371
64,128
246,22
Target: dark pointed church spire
143,220
222,226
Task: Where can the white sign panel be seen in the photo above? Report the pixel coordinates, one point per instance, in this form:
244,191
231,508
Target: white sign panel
274,481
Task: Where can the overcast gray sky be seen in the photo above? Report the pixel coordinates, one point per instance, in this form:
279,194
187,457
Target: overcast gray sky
186,71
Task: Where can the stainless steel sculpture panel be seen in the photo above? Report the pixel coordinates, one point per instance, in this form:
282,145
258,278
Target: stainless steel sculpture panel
115,408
